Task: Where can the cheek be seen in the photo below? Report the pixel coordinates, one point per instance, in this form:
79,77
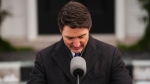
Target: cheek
67,42
84,41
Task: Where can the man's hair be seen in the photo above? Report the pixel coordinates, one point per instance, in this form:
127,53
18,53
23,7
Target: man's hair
74,14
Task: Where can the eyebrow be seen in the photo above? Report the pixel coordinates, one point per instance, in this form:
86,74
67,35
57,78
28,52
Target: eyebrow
77,36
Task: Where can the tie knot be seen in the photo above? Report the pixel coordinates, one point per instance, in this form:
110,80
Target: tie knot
77,54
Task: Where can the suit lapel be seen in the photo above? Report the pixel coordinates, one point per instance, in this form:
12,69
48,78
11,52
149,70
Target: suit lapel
63,59
91,55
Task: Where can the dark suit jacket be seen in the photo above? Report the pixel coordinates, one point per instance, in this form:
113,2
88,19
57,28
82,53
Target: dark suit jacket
104,65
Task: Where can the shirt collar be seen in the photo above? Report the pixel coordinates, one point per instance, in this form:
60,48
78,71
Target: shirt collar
72,53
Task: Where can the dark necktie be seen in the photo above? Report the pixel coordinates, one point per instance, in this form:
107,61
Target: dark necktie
77,54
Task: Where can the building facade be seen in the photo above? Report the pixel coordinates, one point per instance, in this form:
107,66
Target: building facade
23,22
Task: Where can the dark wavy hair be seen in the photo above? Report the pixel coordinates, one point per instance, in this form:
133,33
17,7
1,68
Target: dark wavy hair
74,14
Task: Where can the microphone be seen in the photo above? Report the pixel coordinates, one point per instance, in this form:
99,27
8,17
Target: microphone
78,67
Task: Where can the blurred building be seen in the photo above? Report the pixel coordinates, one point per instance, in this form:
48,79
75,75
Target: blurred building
36,20
34,23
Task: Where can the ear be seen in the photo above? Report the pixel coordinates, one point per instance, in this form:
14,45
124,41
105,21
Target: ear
59,30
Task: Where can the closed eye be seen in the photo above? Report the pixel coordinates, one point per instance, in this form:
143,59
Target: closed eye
70,38
81,36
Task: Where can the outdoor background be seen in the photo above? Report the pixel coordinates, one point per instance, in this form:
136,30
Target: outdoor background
27,26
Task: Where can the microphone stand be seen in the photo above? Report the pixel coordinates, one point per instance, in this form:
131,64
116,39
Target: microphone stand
78,79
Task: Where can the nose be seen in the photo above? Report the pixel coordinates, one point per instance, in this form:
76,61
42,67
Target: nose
76,43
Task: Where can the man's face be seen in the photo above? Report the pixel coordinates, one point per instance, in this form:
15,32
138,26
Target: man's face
75,39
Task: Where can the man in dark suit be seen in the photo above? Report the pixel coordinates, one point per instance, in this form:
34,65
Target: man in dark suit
103,61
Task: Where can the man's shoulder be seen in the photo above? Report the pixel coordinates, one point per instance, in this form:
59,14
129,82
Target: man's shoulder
49,49
105,47
104,44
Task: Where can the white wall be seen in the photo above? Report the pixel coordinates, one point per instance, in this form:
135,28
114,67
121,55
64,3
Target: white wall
15,26
135,27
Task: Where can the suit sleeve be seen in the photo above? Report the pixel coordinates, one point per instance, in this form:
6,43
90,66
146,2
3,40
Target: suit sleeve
119,73
37,75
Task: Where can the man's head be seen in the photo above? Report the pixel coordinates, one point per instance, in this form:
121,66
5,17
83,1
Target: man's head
74,14
74,23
